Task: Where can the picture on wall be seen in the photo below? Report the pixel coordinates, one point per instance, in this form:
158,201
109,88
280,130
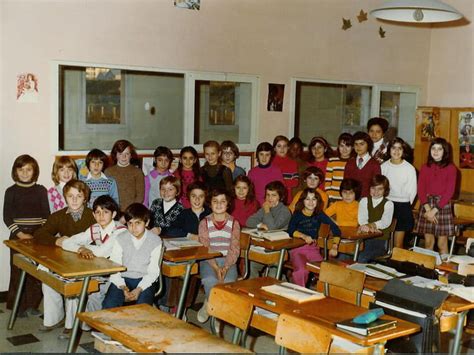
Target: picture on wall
27,88
466,142
275,97
429,125
188,4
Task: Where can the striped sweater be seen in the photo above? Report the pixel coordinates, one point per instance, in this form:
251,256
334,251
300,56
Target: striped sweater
334,177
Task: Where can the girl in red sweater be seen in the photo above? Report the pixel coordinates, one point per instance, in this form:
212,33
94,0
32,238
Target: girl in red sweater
188,172
320,151
245,202
288,166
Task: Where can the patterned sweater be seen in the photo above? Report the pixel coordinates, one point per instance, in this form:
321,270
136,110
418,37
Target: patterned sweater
101,186
168,222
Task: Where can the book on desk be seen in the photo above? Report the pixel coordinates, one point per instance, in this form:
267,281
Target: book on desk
271,235
293,292
377,326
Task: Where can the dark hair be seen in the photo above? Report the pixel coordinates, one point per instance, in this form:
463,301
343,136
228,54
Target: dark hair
363,136
447,157
159,151
278,139
220,191
173,180
232,146
279,188
196,185
379,121
300,204
265,147
348,140
107,203
120,146
351,185
20,162
251,194
407,151
310,170
296,140
324,143
381,180
196,165
137,211
79,186
97,154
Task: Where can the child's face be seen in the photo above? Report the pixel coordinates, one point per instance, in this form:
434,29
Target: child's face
137,227
104,216
344,150
272,197
124,157
25,173
188,160
168,192
310,202
95,167
312,181
75,199
377,191
281,148
375,133
396,152
219,204
197,198
228,156
241,190
212,155
65,174
348,196
437,152
318,151
360,147
162,163
295,150
264,157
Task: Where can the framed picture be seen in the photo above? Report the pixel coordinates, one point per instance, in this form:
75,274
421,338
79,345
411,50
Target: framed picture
465,139
429,124
275,97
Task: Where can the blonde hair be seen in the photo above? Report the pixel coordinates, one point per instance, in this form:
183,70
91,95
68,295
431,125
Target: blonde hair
61,162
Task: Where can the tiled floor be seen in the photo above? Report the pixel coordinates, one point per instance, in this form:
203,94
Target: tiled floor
25,336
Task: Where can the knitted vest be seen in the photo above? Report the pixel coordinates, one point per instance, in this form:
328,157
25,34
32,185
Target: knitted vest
219,239
137,260
375,214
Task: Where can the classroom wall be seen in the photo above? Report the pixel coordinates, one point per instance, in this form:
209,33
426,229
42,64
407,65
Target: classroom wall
274,39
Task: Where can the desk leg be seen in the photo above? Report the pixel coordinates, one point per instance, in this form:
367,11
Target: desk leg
453,242
280,264
356,252
17,300
182,296
325,248
80,308
457,336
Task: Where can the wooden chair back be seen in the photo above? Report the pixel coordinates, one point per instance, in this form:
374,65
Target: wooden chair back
230,307
464,210
244,253
301,335
392,236
428,261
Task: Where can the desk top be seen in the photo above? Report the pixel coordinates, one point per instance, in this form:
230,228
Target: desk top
63,263
193,253
278,244
327,311
144,328
353,233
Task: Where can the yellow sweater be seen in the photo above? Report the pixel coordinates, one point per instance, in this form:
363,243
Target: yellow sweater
346,214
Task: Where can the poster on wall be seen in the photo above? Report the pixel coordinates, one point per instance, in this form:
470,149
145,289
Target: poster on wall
466,141
188,4
27,88
275,97
429,124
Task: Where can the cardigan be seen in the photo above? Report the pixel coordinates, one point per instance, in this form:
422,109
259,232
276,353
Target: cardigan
188,221
168,222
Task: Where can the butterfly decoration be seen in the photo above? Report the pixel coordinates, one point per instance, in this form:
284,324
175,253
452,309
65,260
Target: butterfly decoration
346,24
362,16
381,32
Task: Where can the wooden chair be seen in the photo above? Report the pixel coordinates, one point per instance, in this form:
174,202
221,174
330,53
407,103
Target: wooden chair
342,278
244,253
428,261
160,278
463,211
231,308
301,335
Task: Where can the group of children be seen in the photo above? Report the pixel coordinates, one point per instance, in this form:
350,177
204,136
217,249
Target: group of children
366,182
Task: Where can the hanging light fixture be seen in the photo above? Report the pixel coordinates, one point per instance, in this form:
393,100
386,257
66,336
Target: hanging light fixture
418,11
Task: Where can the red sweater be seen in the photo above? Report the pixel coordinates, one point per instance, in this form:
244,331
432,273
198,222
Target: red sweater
363,175
435,180
243,211
289,169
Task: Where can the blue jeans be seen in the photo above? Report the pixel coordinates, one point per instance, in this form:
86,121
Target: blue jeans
209,277
373,248
116,298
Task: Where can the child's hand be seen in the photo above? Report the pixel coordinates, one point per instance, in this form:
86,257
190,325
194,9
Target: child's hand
333,251
135,294
221,274
364,228
263,226
193,237
266,207
156,230
307,239
24,236
85,253
59,241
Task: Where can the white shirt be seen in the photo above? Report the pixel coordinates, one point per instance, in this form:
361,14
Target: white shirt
363,213
377,146
402,178
365,159
153,270
102,176
168,205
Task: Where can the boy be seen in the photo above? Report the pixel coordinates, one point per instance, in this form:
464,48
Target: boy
98,182
163,157
213,173
139,250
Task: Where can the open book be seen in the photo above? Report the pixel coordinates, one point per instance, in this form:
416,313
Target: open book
178,243
272,235
377,270
294,292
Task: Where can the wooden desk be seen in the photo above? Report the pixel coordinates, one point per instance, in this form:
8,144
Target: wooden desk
63,263
185,257
278,245
327,312
146,329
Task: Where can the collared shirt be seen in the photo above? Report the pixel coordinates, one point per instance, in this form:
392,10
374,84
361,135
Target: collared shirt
76,215
384,222
365,159
102,176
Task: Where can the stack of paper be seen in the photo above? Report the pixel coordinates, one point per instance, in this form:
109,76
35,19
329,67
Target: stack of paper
377,270
294,292
419,281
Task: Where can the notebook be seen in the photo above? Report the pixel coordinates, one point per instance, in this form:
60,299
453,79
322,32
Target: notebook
272,235
377,326
294,292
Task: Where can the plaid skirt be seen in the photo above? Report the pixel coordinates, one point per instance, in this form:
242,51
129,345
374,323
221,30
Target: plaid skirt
445,225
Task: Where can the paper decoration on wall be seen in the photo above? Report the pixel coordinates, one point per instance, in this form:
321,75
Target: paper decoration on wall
362,16
429,124
188,4
381,32
466,140
346,24
275,97
27,88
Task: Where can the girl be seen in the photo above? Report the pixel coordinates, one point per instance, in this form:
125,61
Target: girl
213,173
436,185
320,152
375,214
25,209
402,177
336,166
245,203
221,232
64,170
362,167
295,152
264,172
230,153
305,224
288,166
129,178
312,178
188,171
162,159
377,127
